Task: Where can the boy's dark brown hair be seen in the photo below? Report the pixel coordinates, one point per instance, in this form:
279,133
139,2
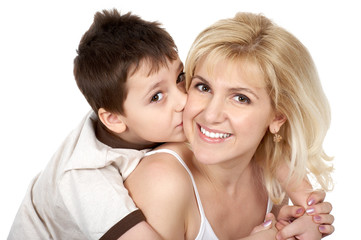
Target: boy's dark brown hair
111,51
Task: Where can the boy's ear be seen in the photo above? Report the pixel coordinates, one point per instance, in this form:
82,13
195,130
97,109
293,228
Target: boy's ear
277,122
112,121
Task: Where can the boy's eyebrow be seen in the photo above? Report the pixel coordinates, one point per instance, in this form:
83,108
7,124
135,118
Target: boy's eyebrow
150,89
180,67
153,86
231,89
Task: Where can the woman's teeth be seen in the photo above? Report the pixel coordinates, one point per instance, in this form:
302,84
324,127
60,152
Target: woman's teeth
214,135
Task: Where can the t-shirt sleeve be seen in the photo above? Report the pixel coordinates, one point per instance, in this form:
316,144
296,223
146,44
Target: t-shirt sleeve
99,202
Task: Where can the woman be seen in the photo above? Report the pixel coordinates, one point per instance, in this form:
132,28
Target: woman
255,112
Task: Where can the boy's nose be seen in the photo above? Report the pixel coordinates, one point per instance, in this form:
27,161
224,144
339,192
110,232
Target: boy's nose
181,101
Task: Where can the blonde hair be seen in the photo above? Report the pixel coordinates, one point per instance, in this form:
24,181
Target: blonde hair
294,88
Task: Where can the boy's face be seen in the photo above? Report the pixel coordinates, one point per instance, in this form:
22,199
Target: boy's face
154,104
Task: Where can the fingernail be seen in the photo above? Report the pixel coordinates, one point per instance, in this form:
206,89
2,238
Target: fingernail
278,237
317,218
321,228
311,202
310,210
299,211
267,223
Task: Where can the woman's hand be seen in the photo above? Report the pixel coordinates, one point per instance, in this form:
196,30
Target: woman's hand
320,212
313,223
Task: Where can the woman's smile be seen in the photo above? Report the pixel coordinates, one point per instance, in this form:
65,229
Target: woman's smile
213,135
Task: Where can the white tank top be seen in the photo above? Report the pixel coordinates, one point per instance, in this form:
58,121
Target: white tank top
205,230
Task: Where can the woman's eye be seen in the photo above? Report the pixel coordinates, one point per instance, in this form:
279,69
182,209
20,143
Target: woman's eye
203,87
242,98
157,97
181,78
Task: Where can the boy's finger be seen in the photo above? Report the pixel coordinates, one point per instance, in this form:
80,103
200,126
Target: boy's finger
267,224
287,232
290,212
281,224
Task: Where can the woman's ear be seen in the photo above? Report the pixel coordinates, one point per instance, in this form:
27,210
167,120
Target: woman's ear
277,122
112,121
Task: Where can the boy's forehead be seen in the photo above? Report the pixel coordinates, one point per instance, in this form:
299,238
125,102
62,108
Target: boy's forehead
147,74
147,67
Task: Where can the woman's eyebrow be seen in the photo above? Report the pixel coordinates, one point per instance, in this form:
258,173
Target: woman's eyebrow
200,78
237,89
244,89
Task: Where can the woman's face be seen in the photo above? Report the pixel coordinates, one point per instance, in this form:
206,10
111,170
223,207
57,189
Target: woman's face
228,111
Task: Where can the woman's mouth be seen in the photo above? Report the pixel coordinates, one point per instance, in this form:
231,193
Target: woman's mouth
214,135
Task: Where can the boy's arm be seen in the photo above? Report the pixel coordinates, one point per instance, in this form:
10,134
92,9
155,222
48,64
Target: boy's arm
161,187
298,193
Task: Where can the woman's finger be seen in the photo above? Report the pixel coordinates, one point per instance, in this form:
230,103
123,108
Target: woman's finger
323,219
320,208
317,196
326,229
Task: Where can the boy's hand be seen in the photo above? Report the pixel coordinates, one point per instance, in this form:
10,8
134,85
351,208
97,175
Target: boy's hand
302,228
269,223
286,216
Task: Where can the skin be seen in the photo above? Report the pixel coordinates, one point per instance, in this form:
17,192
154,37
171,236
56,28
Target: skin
159,104
159,99
153,107
234,105
233,102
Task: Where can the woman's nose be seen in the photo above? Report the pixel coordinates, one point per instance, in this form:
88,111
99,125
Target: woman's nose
215,110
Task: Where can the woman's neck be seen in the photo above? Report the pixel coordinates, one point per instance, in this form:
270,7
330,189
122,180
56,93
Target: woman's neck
226,177
239,186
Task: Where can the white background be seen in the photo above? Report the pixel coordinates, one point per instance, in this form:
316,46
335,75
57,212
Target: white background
41,104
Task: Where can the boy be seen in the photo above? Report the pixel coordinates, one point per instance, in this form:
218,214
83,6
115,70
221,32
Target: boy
129,71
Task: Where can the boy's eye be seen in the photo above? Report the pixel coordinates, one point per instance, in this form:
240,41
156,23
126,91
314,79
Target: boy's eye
203,87
157,97
181,78
181,83
242,98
